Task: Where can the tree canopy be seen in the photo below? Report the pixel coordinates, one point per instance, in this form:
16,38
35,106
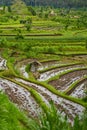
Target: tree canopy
53,3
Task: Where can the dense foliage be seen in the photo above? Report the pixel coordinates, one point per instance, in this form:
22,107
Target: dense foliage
53,3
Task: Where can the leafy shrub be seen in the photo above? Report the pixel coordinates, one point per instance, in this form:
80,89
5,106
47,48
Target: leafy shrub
19,36
1,31
9,9
27,69
3,19
86,44
32,10
3,42
28,24
85,98
51,50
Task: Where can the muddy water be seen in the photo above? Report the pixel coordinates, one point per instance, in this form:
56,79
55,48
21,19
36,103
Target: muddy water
64,106
52,63
2,64
49,74
79,91
49,64
20,96
22,70
41,67
37,87
66,80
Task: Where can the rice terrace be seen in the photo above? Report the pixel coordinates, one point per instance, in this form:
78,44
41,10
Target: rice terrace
43,65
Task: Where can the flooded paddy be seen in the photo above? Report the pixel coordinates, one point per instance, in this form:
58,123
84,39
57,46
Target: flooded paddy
49,64
26,102
23,71
66,80
21,97
3,64
64,106
79,92
49,74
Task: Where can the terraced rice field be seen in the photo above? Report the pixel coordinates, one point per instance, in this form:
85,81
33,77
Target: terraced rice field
79,91
60,75
66,80
21,97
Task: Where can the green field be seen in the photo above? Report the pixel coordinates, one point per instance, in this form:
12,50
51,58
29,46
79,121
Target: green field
57,45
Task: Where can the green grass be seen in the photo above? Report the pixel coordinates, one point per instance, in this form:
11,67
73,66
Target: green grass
42,47
11,118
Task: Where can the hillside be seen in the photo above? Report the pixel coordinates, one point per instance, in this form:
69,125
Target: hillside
43,65
54,3
16,7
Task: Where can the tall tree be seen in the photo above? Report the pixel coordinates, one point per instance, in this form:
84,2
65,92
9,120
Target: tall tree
55,3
